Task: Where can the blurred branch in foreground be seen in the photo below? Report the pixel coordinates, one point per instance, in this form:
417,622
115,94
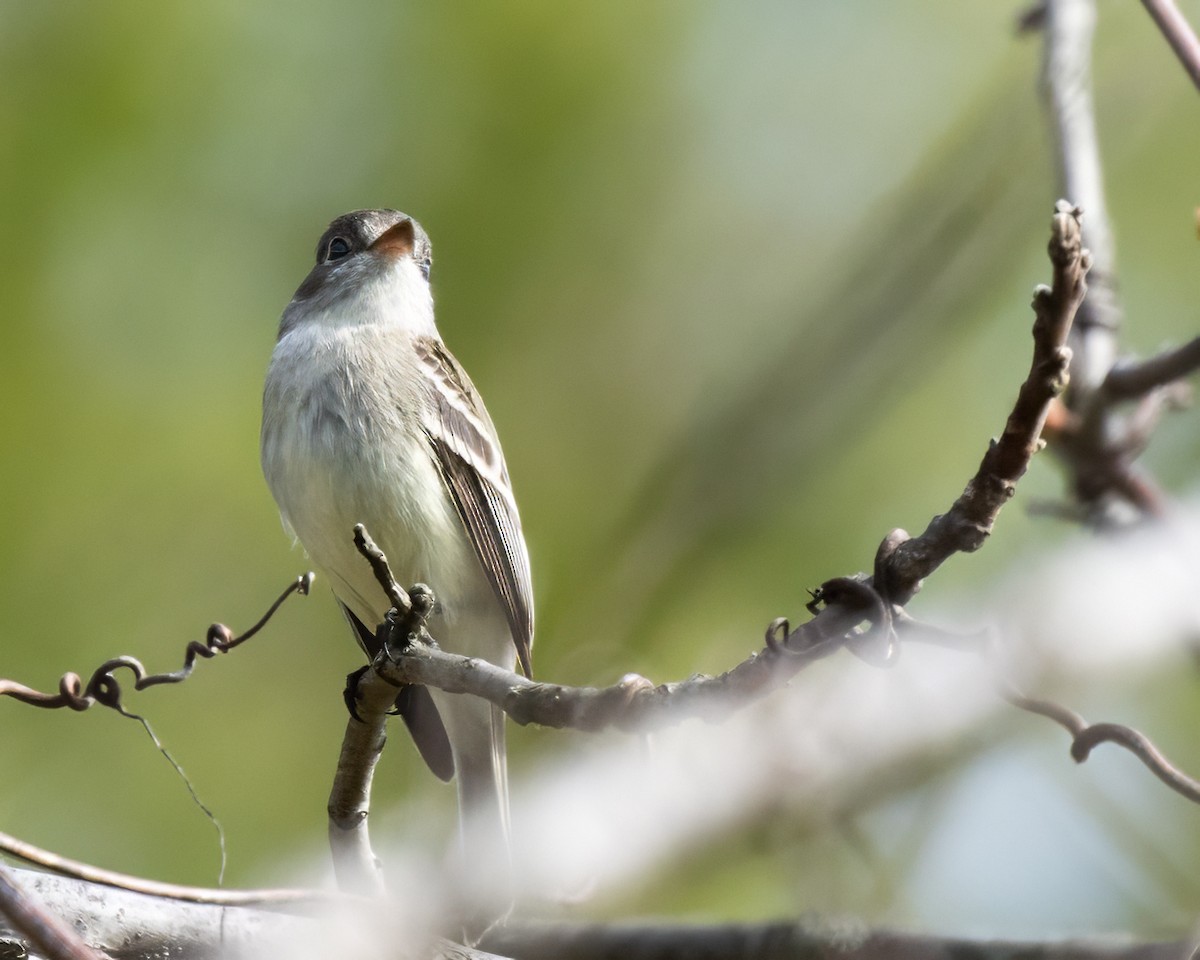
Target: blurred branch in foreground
45,930
1179,33
141,928
791,941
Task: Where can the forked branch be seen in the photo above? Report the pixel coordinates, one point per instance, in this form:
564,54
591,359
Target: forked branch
841,606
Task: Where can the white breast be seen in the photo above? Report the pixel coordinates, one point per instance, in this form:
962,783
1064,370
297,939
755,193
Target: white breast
341,444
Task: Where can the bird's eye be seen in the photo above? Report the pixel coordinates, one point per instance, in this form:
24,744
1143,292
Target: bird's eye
425,264
338,247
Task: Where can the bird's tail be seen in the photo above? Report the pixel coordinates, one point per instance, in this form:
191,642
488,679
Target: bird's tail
484,860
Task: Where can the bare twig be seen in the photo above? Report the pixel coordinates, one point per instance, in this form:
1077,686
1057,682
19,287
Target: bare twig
354,862
1067,88
1085,737
1130,380
967,524
633,703
1179,34
50,934
63,866
1096,443
396,594
374,694
104,688
410,609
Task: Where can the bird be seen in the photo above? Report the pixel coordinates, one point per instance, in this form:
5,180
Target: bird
368,418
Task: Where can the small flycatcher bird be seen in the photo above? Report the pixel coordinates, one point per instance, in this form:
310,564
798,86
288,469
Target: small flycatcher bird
368,418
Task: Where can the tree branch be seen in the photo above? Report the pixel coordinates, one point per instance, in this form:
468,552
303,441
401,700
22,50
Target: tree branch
969,521
1179,34
1097,445
44,929
354,863
633,703
135,927
131,926
86,872
1131,380
783,940
1067,88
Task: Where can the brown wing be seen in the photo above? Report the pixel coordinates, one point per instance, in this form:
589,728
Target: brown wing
416,708
464,444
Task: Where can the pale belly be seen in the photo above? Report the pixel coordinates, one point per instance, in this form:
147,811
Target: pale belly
330,469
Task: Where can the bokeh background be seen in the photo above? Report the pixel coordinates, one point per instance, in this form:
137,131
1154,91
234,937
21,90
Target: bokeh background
745,286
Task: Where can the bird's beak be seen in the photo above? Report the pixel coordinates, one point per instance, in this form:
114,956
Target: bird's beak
395,242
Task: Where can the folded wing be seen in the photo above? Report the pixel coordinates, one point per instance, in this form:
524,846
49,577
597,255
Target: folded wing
464,445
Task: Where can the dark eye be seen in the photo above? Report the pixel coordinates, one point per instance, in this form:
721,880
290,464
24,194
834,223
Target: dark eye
338,247
426,264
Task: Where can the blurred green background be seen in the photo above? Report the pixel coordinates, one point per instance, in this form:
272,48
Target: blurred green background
745,286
